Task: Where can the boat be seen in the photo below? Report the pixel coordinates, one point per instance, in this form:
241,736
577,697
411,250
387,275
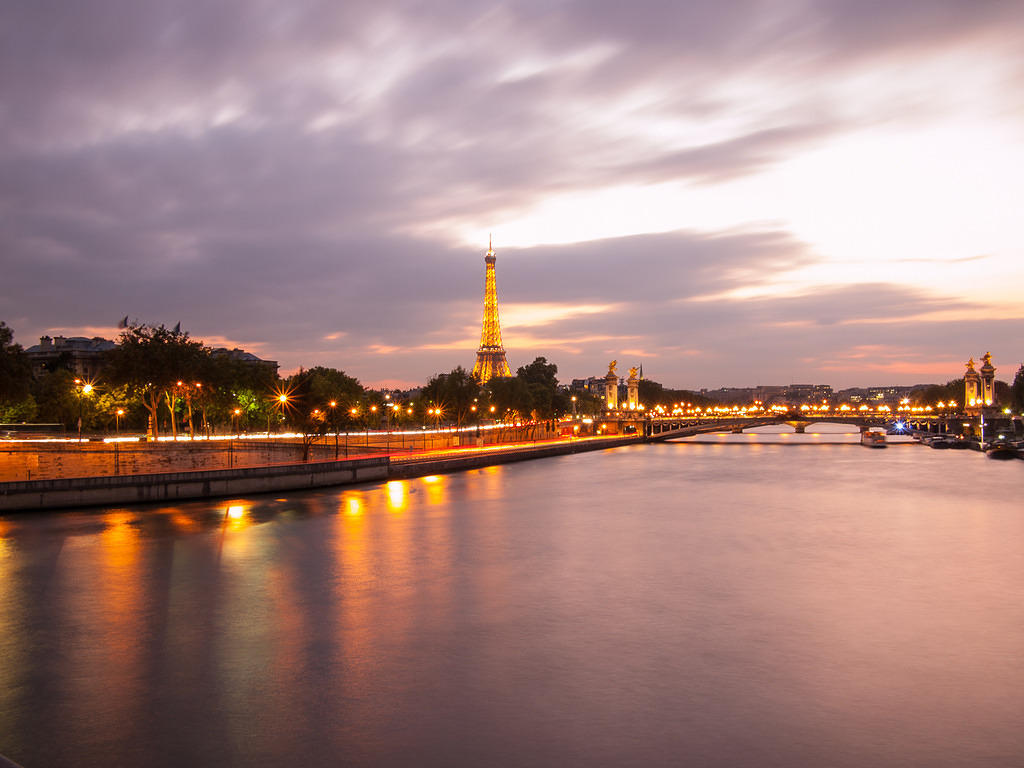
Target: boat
942,441
1002,449
873,439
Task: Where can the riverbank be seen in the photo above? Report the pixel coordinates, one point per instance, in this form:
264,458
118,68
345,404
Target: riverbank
64,493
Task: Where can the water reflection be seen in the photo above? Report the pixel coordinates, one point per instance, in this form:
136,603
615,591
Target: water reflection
737,604
396,495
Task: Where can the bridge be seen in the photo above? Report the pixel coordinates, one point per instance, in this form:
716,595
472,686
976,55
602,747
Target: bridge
667,428
656,428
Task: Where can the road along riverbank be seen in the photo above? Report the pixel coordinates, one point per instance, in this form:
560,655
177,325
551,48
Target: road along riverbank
170,486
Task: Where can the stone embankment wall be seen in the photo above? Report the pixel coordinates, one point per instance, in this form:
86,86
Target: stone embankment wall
47,461
170,486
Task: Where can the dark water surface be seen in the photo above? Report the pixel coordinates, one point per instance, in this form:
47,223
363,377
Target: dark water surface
677,604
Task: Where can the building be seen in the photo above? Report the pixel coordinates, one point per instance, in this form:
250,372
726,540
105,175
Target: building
490,357
245,357
798,394
82,356
595,385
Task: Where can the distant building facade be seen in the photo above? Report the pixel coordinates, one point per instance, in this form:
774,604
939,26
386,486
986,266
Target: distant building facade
245,357
82,356
86,357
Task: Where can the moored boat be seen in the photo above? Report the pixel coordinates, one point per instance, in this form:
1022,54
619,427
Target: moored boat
1002,449
873,439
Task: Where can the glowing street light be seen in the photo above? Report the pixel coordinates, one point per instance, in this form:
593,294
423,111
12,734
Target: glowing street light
83,388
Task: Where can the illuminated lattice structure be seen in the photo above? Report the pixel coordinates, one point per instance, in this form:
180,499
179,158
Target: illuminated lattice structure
490,358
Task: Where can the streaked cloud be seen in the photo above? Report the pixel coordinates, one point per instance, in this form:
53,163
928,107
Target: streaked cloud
738,192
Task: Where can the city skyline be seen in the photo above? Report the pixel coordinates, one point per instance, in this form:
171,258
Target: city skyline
731,196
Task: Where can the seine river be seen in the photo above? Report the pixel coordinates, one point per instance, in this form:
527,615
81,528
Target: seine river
738,601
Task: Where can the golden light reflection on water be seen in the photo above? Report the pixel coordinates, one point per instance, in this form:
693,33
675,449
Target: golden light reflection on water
397,490
351,503
102,670
13,650
436,487
237,515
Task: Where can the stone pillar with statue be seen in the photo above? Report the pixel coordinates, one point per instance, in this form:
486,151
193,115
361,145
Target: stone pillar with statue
611,387
972,388
633,389
988,381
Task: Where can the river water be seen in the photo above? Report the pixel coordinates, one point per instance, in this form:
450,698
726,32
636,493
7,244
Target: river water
731,601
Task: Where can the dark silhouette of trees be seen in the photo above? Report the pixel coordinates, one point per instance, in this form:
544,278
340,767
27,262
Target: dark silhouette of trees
456,393
1017,391
149,361
16,403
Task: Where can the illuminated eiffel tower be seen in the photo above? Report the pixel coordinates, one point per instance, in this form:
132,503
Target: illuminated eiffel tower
490,358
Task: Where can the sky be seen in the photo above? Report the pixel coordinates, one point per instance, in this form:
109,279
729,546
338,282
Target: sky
729,194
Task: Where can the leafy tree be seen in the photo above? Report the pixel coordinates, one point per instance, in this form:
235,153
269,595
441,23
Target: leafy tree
15,371
456,393
587,404
57,398
300,410
229,385
328,385
938,393
511,397
149,361
652,393
106,403
23,410
335,394
1017,391
541,380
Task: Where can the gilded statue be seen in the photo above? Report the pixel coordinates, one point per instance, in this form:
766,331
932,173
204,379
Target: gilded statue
611,367
633,372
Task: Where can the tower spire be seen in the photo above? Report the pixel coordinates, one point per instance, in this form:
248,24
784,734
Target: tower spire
490,357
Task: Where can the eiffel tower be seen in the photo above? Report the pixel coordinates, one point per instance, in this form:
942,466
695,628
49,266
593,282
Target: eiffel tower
490,358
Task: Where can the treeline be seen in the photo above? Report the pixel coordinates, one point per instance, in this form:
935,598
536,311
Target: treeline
162,380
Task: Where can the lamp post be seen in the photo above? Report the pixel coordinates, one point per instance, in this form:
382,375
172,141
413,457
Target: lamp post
83,388
117,421
282,401
333,405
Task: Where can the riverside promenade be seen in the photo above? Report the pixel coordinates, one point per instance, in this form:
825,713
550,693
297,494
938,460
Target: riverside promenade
105,490
203,469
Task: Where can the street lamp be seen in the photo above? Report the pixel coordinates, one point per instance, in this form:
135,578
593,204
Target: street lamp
84,388
117,421
332,405
234,418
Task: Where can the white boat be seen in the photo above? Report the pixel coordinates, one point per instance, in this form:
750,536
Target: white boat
873,439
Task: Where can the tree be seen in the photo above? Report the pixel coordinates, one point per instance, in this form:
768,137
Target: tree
1017,391
149,361
55,394
510,396
938,393
299,408
652,393
455,393
587,404
230,384
16,402
542,383
335,393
